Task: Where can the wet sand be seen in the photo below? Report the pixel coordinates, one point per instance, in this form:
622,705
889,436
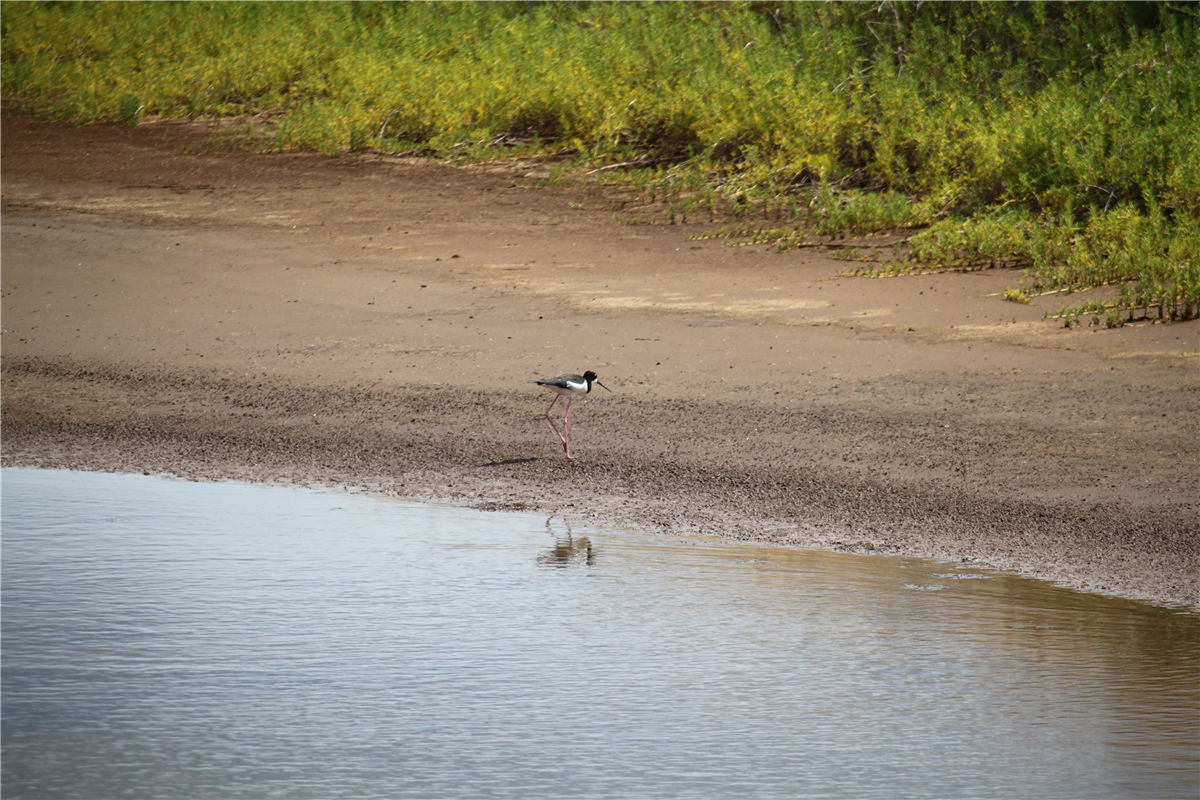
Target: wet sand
174,307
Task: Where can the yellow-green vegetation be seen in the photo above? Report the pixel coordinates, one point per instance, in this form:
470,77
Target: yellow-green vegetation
1060,138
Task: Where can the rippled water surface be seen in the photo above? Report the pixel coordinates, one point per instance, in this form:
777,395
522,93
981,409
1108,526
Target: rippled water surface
165,639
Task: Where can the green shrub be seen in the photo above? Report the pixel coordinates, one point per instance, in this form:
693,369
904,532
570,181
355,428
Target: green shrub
1056,137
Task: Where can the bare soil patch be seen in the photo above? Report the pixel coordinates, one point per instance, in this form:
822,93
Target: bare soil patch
373,322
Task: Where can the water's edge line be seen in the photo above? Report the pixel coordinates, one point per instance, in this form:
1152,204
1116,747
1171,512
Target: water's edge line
596,516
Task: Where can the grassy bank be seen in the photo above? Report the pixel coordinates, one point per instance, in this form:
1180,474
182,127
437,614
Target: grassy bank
1062,139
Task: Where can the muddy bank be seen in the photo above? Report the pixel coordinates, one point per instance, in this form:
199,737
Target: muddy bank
373,323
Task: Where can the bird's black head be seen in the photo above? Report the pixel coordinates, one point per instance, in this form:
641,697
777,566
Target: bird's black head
591,378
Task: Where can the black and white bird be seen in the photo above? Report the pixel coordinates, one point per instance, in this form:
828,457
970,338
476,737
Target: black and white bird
570,386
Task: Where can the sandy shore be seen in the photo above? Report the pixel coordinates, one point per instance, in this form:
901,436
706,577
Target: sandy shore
172,308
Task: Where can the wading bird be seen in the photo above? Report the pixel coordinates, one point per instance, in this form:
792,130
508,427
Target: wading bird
572,386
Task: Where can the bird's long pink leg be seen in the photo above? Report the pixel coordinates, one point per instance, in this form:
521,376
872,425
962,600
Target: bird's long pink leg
566,436
561,438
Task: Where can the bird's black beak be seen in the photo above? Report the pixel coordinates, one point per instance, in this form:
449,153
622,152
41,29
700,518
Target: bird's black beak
598,383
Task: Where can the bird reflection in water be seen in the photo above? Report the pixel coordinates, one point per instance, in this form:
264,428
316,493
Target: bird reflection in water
568,551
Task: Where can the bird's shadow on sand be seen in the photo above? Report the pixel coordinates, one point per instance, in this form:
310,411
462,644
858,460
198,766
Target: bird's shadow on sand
508,461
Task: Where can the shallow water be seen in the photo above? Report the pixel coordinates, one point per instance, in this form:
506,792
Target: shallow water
166,639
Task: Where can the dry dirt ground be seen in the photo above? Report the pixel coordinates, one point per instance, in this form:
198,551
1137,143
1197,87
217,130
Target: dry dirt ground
171,307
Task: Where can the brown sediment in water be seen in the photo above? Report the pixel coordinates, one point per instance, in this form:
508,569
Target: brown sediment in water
372,322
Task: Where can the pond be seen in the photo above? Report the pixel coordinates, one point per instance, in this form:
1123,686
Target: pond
170,639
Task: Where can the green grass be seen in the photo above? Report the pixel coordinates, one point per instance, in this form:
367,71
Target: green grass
1061,139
